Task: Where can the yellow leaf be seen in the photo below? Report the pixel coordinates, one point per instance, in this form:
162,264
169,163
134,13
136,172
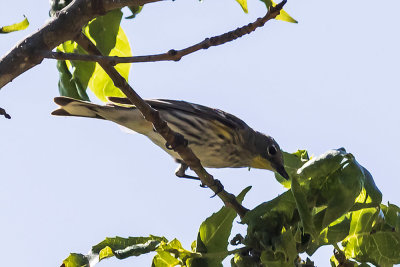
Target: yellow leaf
100,83
243,4
284,16
15,27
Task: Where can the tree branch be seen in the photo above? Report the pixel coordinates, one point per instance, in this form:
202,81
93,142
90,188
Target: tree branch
175,140
67,25
4,113
173,55
64,26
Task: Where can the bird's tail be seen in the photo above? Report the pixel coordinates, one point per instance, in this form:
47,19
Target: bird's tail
129,117
77,108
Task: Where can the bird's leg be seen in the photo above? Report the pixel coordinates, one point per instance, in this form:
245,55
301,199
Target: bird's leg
181,172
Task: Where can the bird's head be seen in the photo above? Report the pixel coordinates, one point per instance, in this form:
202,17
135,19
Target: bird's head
268,155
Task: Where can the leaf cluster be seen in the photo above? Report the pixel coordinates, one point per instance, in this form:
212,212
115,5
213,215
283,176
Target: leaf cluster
332,200
105,31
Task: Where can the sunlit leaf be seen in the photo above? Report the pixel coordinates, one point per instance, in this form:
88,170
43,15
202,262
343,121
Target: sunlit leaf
303,208
100,83
293,161
76,260
119,247
323,165
15,27
243,4
103,31
215,230
172,253
165,259
284,16
110,39
333,234
365,243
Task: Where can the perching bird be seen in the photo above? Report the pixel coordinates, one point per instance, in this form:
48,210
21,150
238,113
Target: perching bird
217,138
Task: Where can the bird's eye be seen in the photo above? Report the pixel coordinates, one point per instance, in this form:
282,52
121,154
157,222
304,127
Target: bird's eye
272,150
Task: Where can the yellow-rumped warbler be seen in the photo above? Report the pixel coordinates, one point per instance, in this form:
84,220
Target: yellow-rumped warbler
218,139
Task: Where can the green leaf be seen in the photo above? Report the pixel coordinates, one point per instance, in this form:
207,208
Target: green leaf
272,259
137,250
303,208
100,83
366,243
341,190
106,252
104,30
284,16
239,260
164,259
66,84
391,214
15,27
135,10
122,248
172,253
323,165
293,162
269,230
79,73
243,5
120,244
373,192
214,232
284,205
287,245
111,40
119,247
333,234
76,260
83,71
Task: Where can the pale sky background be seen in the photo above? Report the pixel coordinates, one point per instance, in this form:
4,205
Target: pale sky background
330,81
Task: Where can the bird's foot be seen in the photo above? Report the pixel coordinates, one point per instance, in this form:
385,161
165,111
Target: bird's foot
181,173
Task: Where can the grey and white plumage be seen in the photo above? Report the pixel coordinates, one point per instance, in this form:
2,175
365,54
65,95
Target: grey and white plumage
218,139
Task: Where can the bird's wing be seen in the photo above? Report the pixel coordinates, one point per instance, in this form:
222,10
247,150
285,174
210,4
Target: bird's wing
194,109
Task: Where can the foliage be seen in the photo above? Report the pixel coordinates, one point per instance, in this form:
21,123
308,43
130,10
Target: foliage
110,39
76,76
19,26
330,199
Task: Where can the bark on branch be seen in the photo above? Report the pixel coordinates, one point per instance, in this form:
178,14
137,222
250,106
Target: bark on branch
66,25
4,113
175,140
173,55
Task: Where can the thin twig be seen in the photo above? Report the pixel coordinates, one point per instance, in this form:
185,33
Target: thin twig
173,55
4,113
175,140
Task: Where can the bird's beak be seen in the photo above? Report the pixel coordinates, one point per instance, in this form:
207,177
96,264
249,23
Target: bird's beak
281,170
